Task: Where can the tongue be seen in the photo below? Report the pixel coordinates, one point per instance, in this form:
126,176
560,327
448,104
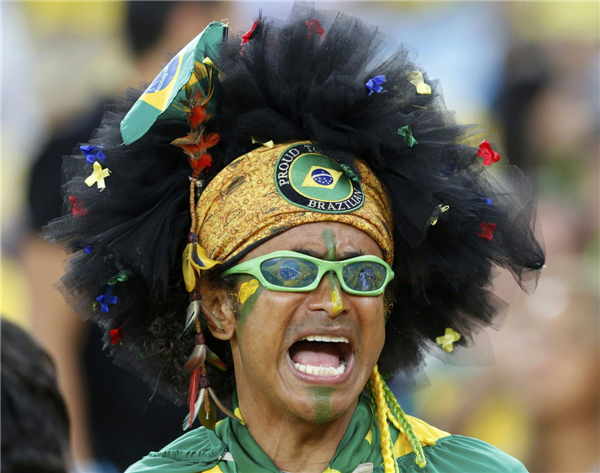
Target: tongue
316,354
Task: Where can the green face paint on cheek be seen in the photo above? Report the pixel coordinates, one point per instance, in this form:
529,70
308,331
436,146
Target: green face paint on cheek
249,292
322,403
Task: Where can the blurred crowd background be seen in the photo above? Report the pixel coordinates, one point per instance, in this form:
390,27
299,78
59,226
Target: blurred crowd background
528,71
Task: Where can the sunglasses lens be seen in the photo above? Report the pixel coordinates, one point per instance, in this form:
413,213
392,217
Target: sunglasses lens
364,276
289,272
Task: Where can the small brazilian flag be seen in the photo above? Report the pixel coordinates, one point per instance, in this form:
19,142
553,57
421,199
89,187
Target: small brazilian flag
159,101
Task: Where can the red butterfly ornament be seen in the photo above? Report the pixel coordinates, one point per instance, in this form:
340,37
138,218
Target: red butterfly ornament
487,153
78,208
248,36
314,27
115,336
487,230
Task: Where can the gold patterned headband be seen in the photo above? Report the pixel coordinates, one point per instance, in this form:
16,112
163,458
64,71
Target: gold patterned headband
270,190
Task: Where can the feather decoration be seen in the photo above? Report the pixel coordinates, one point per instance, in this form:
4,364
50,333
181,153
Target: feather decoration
194,309
189,274
208,418
222,407
210,318
195,106
200,259
195,259
191,315
196,359
197,406
200,72
194,384
215,360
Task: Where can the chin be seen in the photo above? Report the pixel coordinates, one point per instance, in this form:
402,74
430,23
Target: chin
321,404
321,397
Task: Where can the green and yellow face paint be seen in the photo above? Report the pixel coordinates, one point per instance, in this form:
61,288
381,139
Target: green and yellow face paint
322,403
334,286
248,292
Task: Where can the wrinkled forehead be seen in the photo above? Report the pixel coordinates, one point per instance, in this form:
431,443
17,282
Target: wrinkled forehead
272,190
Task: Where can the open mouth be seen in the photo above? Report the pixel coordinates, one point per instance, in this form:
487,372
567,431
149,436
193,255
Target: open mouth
321,356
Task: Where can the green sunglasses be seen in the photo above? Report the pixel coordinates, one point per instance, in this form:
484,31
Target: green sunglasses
288,271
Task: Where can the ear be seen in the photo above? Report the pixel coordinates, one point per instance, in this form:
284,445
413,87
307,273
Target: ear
219,303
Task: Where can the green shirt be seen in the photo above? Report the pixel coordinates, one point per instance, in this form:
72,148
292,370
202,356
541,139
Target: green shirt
231,449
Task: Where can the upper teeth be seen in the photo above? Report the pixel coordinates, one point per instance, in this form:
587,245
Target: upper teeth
325,338
321,370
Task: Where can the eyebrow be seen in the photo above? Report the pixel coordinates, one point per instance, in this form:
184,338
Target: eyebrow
321,255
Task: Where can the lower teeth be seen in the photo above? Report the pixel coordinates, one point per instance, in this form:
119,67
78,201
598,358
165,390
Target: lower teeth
321,370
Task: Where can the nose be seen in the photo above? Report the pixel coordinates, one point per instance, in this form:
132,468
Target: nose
328,296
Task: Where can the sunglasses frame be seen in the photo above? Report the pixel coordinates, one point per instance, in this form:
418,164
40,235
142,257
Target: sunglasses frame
252,268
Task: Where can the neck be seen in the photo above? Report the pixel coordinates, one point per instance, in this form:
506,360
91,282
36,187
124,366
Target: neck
294,445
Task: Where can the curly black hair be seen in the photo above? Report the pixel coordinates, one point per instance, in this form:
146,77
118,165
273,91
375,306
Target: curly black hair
299,80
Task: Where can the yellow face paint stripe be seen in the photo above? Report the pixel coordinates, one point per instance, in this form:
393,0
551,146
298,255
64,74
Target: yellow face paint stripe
336,301
334,291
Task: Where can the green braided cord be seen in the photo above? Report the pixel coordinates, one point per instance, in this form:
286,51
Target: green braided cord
394,456
371,390
410,433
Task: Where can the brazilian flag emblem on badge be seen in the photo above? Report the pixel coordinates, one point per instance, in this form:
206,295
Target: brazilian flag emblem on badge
308,179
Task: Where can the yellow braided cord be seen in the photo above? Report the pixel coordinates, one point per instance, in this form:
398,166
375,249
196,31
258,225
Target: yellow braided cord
390,417
407,428
378,394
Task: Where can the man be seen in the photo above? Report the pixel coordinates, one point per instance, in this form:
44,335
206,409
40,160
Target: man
316,168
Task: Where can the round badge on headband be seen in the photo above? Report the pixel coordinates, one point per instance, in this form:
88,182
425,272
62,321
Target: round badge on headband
308,179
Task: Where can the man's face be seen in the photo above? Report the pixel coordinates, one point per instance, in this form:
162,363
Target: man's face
278,360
